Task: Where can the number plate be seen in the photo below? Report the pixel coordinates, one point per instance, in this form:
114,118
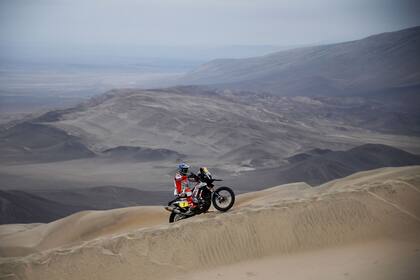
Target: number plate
183,204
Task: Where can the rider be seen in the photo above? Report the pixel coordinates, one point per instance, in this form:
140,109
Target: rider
181,181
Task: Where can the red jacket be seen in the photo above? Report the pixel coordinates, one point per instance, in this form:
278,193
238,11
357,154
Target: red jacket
181,184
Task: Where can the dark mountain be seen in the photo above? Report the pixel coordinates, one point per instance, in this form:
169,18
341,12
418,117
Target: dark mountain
303,156
317,169
141,154
105,197
36,142
24,207
322,166
385,62
41,206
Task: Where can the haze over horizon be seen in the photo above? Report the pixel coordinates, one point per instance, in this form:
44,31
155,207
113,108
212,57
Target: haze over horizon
190,29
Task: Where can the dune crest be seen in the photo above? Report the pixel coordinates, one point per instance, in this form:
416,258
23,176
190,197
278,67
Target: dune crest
379,204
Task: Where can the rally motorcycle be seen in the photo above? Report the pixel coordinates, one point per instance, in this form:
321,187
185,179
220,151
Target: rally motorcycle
205,194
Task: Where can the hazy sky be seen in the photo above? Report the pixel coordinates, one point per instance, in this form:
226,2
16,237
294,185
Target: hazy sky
202,22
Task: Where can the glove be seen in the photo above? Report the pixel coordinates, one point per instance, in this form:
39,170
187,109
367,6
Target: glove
194,177
182,195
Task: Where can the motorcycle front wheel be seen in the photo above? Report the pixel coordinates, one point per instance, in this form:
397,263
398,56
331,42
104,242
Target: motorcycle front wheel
223,199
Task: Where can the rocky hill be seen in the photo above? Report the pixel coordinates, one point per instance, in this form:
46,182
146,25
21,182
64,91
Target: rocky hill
230,128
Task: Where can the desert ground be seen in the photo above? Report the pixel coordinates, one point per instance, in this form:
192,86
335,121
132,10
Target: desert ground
364,226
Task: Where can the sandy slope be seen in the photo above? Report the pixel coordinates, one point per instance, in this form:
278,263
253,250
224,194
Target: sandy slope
378,260
82,226
335,229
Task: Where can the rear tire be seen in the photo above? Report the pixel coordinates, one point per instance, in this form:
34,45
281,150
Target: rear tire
175,217
205,207
223,199
207,202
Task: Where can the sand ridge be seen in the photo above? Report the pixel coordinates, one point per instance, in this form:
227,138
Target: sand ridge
82,226
281,221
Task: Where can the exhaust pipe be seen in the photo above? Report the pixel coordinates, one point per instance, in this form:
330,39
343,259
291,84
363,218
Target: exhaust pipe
171,209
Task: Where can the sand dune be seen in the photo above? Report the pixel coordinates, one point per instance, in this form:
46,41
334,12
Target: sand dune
82,226
271,228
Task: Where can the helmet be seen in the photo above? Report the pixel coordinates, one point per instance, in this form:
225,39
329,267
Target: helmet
183,168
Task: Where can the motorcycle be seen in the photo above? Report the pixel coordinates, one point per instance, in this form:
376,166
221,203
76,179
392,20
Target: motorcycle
205,193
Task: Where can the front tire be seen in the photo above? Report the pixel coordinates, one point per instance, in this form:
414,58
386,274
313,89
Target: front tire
223,199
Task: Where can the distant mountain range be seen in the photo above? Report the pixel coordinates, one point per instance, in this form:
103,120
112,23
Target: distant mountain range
240,126
224,128
388,62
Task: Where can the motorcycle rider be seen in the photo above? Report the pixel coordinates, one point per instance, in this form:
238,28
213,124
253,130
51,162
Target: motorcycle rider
182,189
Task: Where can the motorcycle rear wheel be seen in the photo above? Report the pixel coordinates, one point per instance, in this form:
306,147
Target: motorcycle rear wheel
175,217
206,202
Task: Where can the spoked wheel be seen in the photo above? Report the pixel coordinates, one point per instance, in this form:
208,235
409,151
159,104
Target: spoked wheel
223,199
175,217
